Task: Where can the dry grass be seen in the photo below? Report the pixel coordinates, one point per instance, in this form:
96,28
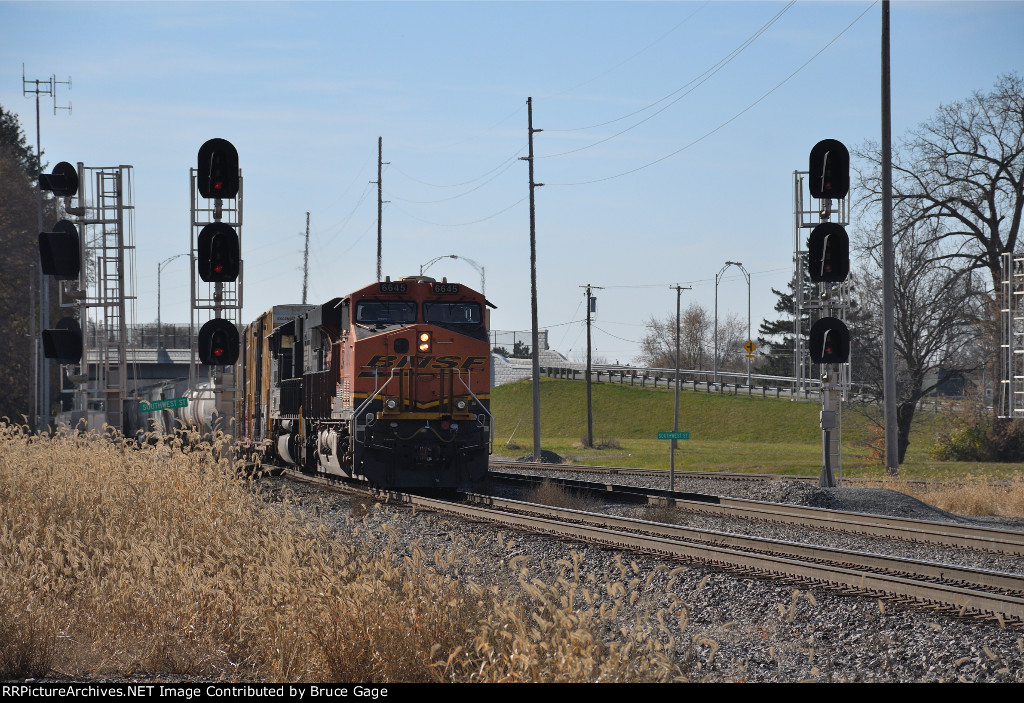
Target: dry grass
166,559
970,496
549,492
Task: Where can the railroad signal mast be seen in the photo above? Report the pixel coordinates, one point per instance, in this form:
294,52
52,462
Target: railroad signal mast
60,256
825,262
93,259
216,216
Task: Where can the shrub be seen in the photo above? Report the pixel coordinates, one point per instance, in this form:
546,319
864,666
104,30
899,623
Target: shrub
976,436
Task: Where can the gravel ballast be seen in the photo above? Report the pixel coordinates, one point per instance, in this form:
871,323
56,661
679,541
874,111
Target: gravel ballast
736,628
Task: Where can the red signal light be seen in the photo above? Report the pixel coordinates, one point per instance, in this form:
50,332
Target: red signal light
218,342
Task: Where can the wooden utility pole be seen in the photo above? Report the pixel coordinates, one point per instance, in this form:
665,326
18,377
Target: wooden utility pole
590,407
380,201
675,416
535,336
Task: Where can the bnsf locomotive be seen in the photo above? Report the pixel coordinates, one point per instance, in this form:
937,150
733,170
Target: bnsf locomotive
390,384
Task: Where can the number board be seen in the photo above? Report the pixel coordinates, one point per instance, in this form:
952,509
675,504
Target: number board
446,288
390,287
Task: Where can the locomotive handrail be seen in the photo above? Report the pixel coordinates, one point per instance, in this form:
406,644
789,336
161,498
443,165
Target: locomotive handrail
490,433
359,411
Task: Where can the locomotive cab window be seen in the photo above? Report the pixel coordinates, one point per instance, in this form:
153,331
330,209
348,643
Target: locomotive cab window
385,311
452,313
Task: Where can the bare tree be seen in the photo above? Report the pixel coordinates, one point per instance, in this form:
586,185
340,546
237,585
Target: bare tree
658,346
939,319
696,341
963,171
960,176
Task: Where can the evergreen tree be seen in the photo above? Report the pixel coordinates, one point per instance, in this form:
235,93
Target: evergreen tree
14,146
775,337
19,267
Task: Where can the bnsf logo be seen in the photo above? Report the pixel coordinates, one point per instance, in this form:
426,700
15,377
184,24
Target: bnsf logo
451,361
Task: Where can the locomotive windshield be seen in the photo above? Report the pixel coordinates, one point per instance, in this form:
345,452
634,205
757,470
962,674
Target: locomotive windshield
452,313
374,311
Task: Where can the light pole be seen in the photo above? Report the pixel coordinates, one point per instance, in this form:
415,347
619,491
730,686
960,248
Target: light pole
159,328
478,267
718,278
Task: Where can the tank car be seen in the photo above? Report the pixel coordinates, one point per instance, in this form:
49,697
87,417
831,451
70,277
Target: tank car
389,384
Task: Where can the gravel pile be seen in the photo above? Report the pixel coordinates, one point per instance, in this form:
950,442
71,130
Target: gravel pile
736,628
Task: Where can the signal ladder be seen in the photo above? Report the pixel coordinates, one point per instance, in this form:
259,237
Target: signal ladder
1011,397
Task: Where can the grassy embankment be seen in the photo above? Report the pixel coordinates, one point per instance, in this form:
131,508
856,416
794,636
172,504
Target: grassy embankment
738,433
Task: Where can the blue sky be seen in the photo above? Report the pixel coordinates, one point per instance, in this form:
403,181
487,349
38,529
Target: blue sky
634,201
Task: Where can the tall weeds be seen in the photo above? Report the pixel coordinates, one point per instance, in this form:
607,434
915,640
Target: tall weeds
165,558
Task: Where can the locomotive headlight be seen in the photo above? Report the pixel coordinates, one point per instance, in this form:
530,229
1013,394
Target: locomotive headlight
461,404
391,404
423,342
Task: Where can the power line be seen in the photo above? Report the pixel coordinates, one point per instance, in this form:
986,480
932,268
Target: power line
627,60
508,164
461,224
511,159
731,119
695,83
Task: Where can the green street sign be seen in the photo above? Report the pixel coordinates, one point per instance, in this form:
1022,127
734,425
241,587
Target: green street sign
152,407
673,435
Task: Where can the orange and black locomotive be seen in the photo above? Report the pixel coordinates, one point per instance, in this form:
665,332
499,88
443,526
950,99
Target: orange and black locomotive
390,384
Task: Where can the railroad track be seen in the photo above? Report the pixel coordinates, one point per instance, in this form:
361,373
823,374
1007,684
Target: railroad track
966,591
499,465
890,527
956,589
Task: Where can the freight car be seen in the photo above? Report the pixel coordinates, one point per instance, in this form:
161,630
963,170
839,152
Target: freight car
390,384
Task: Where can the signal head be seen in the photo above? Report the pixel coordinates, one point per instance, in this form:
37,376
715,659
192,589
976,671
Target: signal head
219,253
65,342
217,174
63,182
218,343
829,341
829,170
828,253
59,252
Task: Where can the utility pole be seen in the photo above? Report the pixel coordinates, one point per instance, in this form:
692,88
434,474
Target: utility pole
675,416
533,284
590,408
41,396
892,455
380,202
305,264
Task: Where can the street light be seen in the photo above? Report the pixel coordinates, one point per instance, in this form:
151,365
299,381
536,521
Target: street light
478,267
718,277
159,329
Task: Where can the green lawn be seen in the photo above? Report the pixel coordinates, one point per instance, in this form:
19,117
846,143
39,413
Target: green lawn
728,433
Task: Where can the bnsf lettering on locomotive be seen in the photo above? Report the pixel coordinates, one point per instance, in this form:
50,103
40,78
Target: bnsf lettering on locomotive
381,361
475,361
448,361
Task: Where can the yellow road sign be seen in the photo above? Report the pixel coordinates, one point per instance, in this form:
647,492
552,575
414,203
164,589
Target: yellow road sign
750,346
